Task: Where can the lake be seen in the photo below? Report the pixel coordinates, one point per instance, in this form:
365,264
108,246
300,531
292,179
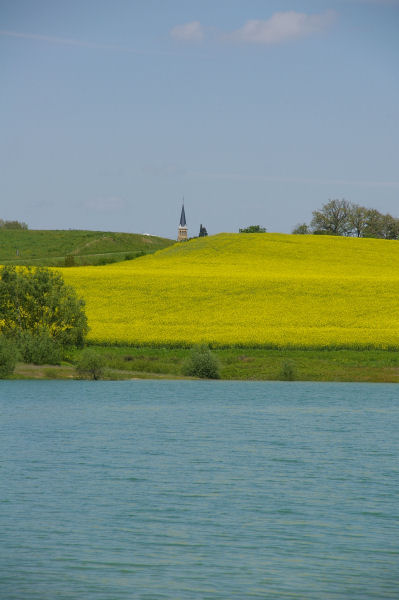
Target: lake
190,490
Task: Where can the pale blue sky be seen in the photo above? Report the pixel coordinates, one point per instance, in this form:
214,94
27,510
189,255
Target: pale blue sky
257,112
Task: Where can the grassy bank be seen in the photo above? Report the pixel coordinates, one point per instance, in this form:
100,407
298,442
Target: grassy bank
237,364
51,247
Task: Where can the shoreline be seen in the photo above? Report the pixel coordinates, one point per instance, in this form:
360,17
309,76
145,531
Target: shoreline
235,364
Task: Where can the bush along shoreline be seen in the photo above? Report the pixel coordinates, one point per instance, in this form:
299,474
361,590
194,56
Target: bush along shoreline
127,362
42,318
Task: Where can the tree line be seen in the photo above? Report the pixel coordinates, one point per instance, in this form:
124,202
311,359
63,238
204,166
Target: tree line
12,224
340,217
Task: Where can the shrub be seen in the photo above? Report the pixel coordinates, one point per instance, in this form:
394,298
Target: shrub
301,229
12,224
8,357
202,363
69,260
287,372
52,373
106,260
253,229
39,347
131,255
90,364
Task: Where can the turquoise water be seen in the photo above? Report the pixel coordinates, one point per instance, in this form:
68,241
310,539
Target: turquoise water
198,490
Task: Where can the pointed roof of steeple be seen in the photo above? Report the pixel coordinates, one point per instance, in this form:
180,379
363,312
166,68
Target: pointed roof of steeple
182,216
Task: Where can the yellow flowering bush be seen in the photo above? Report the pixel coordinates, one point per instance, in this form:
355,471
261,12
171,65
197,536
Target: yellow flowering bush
271,290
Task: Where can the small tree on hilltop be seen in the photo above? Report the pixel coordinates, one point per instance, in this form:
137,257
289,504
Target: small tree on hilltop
301,229
357,220
332,218
253,229
202,232
12,224
343,218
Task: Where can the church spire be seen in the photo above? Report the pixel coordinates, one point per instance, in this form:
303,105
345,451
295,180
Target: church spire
182,216
182,233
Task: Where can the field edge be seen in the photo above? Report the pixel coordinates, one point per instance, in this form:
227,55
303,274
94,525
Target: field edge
235,364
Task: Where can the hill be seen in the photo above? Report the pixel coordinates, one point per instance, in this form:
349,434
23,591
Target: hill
50,247
266,290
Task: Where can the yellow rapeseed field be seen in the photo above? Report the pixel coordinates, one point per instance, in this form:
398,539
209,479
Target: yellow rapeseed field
270,290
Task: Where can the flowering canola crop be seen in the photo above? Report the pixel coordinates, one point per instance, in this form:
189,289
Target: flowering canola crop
271,290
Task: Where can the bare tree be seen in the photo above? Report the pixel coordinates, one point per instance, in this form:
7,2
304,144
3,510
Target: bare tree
390,227
374,224
357,220
332,219
340,217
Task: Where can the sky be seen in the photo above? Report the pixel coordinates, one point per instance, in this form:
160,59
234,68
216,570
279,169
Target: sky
254,111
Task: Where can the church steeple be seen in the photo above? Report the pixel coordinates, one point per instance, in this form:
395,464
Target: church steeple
182,217
182,232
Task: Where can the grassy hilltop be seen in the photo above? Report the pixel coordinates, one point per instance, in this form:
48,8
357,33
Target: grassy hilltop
50,247
268,290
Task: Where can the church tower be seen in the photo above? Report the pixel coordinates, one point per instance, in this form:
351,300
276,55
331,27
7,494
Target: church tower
182,233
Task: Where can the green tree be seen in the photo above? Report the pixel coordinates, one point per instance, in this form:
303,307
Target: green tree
12,225
301,229
39,348
202,232
37,300
90,364
253,229
202,363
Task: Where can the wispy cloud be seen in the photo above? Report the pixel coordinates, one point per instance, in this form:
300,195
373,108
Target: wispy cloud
281,27
81,43
58,40
188,32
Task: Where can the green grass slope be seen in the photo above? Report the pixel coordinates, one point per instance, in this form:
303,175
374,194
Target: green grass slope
49,247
